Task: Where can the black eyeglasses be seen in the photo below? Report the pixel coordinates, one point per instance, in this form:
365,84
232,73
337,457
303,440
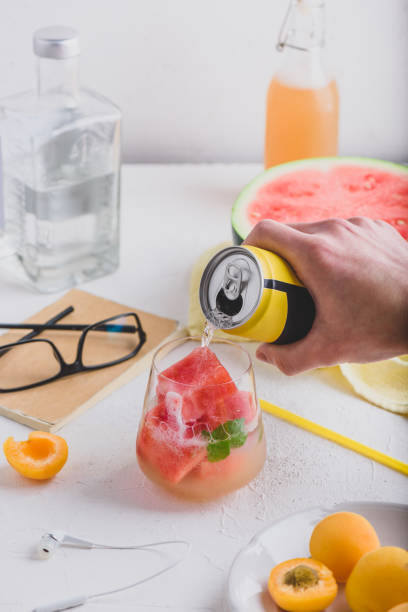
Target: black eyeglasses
31,362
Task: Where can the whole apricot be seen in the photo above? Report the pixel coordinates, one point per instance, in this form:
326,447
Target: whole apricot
403,607
379,580
302,585
340,539
40,457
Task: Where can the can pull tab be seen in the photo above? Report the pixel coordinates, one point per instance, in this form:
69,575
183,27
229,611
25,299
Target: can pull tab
232,281
235,278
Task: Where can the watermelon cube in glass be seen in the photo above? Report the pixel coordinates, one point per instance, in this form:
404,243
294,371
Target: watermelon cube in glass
201,434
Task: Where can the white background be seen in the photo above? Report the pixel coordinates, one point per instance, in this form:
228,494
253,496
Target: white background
191,75
101,493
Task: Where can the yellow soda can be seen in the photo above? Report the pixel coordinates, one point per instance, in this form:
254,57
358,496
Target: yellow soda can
253,293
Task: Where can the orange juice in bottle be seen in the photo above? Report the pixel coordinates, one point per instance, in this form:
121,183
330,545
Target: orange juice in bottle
302,101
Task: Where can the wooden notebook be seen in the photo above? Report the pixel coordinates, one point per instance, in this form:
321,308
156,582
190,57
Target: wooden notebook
50,406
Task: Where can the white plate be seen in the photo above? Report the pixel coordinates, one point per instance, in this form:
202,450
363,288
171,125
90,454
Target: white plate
289,538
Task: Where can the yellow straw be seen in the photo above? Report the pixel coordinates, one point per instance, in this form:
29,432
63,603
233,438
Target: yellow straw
323,432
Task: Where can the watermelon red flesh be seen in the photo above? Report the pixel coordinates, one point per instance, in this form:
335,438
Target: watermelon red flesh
340,191
200,368
170,449
240,405
173,447
201,380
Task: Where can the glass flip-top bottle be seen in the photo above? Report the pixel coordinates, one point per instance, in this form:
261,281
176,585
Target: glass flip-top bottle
302,101
60,153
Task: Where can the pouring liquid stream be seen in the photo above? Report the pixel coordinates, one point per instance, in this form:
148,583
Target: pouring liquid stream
208,334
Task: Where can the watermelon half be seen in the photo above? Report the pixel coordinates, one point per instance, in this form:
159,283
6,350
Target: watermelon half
315,189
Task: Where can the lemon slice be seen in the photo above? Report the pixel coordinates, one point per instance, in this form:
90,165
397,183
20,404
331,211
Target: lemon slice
384,383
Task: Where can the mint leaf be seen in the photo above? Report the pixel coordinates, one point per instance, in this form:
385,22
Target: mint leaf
236,431
234,427
216,451
238,439
228,429
220,433
230,434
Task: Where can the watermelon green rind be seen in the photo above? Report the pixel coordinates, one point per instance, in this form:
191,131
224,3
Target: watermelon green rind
241,225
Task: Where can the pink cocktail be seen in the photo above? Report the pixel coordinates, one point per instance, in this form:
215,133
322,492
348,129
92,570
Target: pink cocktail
201,432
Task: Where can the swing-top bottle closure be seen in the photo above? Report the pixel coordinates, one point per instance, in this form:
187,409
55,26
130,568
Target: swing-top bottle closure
310,12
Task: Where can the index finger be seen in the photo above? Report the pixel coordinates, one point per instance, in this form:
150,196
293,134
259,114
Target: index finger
279,238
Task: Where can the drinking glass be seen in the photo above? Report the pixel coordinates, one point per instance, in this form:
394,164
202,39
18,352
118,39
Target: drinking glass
201,434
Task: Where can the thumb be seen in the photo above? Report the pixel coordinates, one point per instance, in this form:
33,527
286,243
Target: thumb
292,358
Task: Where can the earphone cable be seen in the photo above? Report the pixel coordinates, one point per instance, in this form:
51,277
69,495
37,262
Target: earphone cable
162,571
80,600
141,546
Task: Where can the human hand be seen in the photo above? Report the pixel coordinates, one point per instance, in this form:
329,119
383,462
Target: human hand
357,273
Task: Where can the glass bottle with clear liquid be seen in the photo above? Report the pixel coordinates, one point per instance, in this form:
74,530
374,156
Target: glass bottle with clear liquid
302,102
60,154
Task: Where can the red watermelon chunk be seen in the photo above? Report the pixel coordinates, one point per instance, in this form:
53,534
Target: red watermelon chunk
200,368
201,380
166,443
240,405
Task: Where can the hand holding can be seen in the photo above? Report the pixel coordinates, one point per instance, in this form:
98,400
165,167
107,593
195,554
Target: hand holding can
254,293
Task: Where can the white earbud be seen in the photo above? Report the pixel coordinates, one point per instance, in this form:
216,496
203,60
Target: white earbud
52,540
48,543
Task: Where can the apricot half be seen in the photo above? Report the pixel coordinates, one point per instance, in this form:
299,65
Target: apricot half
40,457
340,539
379,580
302,585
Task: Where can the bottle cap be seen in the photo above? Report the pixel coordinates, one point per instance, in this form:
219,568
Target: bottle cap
56,42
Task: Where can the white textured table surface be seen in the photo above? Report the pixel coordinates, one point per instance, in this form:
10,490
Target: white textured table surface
170,215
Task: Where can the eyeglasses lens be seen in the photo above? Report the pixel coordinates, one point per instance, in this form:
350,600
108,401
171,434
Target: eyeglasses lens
118,341
26,364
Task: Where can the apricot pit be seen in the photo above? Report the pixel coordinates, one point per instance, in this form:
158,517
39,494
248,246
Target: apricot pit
302,585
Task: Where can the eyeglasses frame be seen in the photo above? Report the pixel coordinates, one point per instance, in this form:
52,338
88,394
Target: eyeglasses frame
77,366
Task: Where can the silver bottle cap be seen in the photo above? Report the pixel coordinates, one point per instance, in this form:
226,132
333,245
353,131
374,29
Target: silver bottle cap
231,287
56,42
